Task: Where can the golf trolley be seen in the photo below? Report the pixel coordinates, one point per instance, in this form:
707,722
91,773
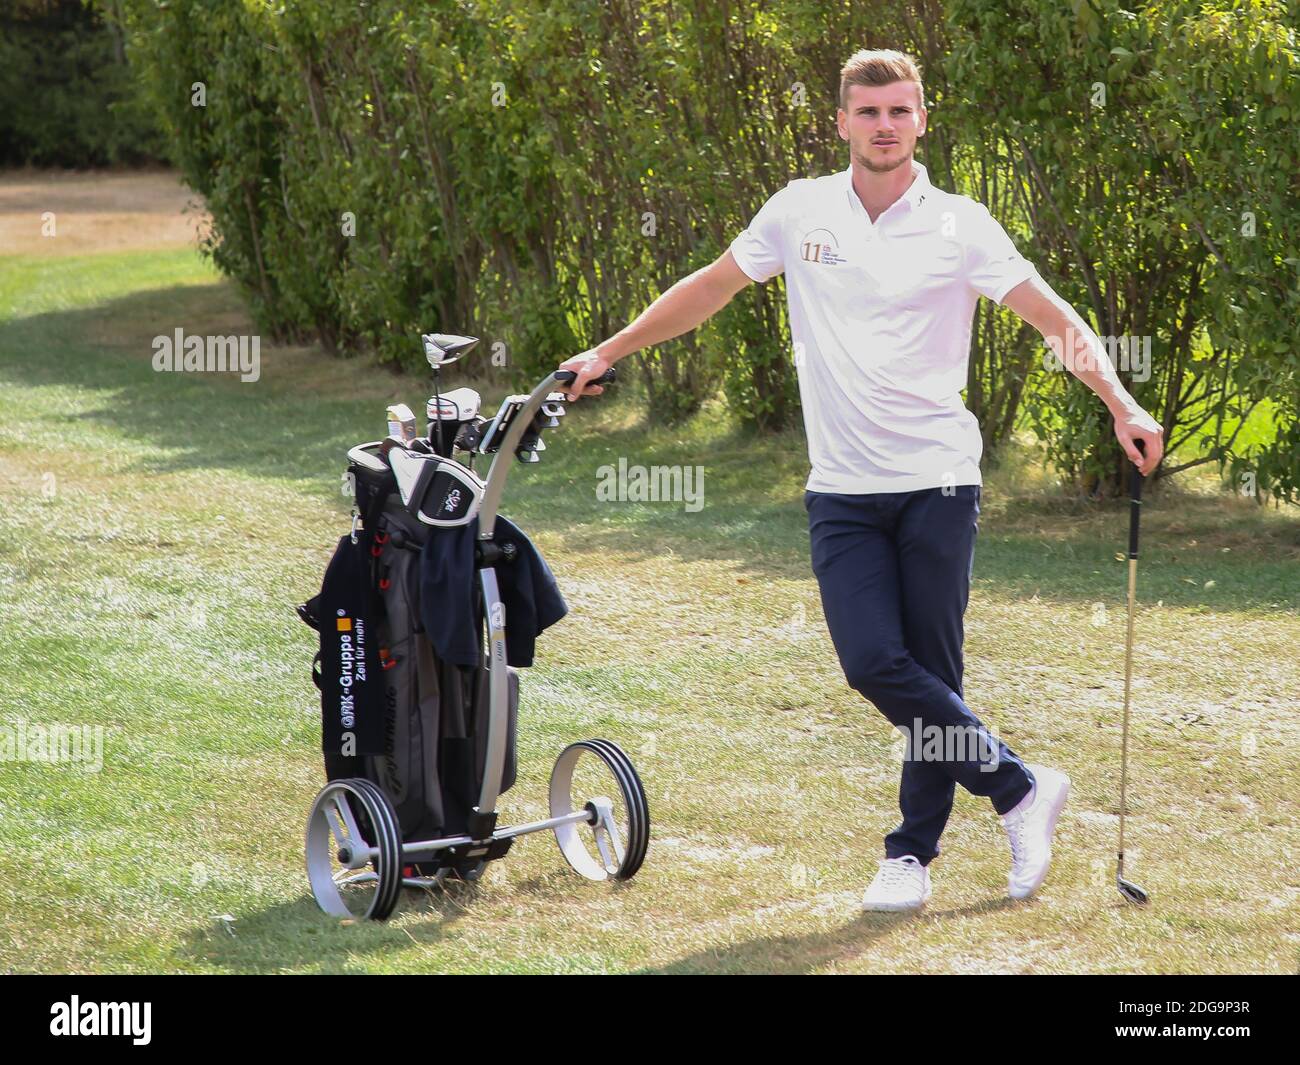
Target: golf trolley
368,832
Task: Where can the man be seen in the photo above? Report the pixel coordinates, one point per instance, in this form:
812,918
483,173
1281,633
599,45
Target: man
883,271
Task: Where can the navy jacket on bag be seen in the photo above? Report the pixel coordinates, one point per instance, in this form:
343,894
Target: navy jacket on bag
529,593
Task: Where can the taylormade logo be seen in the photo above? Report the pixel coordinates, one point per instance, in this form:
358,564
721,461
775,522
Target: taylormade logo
210,354
132,1019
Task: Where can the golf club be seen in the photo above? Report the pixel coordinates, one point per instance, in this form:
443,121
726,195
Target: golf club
442,349
1130,891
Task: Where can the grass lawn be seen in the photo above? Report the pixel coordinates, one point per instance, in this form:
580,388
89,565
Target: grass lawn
160,528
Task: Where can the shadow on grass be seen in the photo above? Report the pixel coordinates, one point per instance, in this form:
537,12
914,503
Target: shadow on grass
298,420
195,420
300,937
797,955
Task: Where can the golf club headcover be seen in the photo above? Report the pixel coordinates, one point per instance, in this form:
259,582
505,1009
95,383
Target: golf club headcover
435,489
452,497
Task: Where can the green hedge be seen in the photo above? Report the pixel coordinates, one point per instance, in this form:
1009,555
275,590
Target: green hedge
534,173
537,172
1157,152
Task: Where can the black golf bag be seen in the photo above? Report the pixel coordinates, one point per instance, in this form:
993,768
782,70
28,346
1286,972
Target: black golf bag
391,711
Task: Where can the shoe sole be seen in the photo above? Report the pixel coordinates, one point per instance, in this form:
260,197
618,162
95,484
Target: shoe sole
1053,817
885,907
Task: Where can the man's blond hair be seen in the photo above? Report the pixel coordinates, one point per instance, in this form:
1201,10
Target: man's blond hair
883,66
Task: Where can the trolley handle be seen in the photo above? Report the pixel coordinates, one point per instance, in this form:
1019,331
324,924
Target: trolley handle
1135,504
567,377
521,422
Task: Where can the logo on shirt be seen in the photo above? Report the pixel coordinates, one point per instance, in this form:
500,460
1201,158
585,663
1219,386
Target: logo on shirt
820,246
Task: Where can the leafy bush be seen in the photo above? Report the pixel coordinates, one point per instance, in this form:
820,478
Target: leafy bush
1156,155
537,172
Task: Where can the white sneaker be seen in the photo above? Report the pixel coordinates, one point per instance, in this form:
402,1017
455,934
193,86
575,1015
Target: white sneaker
1030,826
900,884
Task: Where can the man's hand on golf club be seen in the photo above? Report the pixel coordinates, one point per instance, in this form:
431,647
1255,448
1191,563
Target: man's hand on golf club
1133,424
587,365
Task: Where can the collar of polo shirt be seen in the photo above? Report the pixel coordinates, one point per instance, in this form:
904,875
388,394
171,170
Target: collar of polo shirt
913,196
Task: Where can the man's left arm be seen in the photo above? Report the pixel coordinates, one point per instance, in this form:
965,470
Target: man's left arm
1085,357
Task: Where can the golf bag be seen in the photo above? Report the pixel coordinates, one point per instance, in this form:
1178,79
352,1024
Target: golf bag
391,711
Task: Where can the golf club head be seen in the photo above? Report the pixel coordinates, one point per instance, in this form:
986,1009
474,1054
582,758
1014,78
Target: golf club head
444,348
1131,892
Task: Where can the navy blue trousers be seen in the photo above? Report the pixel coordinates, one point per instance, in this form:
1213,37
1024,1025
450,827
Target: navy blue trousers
894,570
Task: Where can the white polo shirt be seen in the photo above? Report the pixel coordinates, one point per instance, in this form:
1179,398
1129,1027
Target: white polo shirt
880,316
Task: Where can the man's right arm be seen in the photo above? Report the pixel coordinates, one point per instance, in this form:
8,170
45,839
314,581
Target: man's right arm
687,304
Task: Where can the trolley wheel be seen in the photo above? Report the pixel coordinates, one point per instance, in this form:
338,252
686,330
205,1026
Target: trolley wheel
354,850
611,843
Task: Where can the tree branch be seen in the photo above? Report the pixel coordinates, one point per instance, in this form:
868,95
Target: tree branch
1098,303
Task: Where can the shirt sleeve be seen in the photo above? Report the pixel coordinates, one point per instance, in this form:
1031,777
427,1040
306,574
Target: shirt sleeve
993,266
760,250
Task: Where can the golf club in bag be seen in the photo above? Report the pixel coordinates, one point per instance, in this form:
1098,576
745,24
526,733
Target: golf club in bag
419,748
1128,889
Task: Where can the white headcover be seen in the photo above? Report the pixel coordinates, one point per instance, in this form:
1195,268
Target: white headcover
407,467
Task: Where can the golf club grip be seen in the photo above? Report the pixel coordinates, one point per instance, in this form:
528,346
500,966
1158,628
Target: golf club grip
1135,505
567,377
